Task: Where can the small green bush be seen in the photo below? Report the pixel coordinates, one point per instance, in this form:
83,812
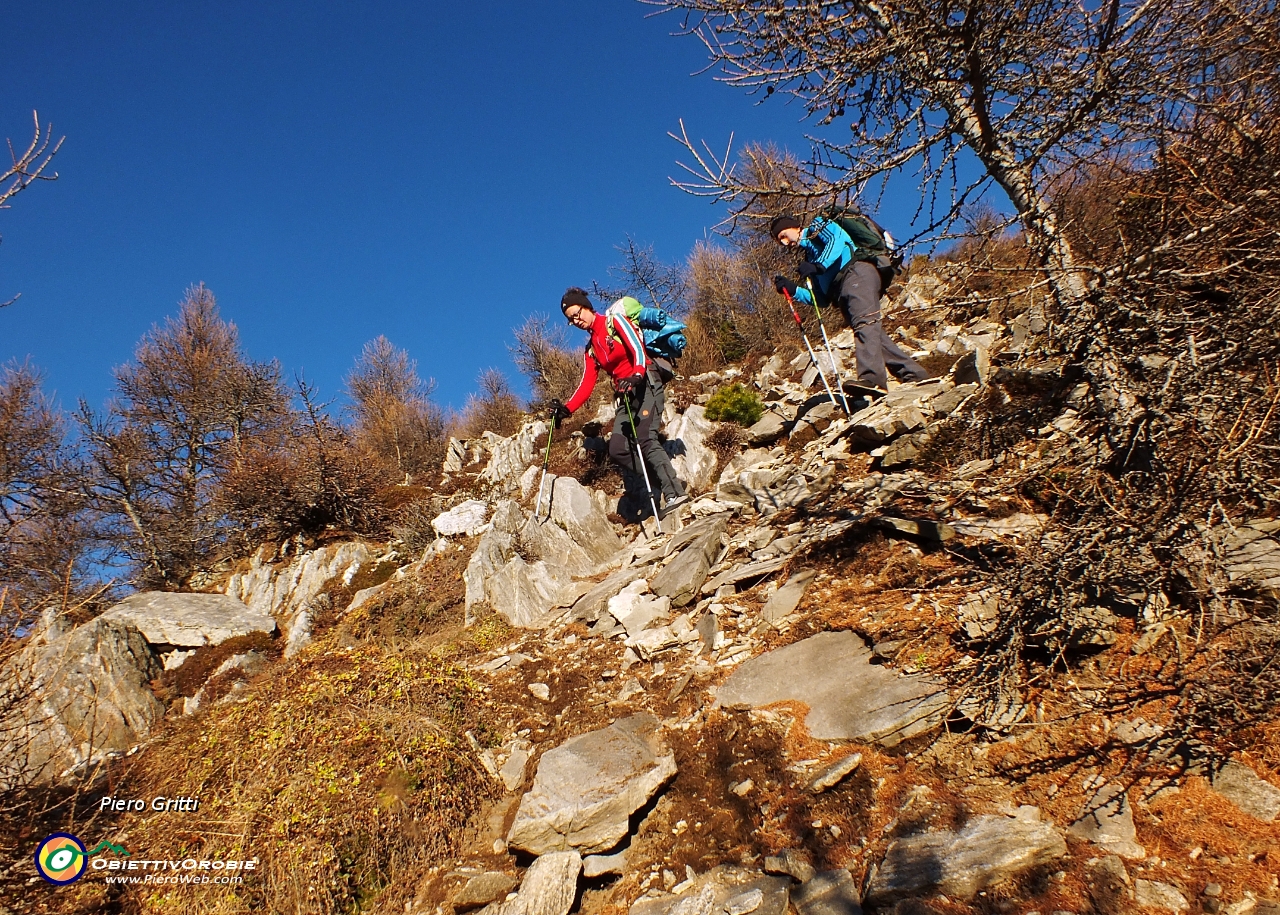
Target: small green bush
735,404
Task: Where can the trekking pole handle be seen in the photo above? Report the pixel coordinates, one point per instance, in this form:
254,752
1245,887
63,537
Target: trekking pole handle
795,314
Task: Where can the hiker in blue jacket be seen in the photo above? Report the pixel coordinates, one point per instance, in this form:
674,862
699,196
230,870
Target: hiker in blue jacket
855,285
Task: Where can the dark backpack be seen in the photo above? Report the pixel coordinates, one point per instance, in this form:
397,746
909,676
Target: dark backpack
871,242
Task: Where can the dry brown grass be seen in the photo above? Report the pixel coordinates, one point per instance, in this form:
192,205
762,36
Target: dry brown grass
345,772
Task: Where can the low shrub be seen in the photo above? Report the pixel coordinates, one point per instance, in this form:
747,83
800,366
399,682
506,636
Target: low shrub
735,404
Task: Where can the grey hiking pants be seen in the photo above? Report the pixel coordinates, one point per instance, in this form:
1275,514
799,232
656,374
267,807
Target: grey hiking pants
858,296
646,408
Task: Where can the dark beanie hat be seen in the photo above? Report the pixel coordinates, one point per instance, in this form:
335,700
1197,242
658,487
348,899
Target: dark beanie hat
575,296
786,221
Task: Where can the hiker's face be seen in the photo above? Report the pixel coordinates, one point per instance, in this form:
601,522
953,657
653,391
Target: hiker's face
789,237
580,317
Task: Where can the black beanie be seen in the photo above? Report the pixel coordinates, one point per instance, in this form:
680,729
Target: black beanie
575,296
786,221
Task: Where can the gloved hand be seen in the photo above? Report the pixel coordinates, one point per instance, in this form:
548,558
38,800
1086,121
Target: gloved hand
784,286
808,269
628,386
559,413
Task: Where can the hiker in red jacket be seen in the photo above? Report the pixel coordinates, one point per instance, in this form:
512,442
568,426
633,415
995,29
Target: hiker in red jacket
617,348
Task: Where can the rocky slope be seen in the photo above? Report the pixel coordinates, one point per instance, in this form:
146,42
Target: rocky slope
768,702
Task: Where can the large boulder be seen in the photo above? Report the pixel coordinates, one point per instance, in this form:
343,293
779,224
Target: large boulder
510,456
694,461
986,851
465,519
581,517
286,592
189,620
77,699
524,593
586,789
849,697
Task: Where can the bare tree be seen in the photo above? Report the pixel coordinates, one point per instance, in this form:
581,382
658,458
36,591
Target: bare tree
542,354
494,408
188,404
647,277
28,167
393,414
46,534
1028,88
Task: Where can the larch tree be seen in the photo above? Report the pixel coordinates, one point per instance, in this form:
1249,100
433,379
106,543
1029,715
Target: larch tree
188,404
392,412
1030,88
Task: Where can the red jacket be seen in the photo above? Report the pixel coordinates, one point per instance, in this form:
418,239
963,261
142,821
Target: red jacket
621,354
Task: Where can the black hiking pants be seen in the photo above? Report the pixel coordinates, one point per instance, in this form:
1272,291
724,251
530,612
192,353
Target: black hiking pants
858,296
646,408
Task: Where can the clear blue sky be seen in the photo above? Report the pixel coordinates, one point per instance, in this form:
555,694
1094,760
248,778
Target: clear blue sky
429,171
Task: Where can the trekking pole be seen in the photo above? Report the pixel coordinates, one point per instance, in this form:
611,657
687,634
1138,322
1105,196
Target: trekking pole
546,461
816,364
835,370
635,438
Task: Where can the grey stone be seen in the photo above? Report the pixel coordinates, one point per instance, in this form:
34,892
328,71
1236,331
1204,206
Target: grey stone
1241,786
1109,885
513,770
1107,822
979,613
636,611
509,456
793,491
466,519
523,593
189,620
849,698
903,451
591,603
835,773
573,509
1156,895
986,851
783,602
585,789
828,893
767,430
686,441
483,889
947,402
653,641
883,421
743,573
549,887
1252,555
599,865
718,889
681,578
550,543
76,700
793,863
287,592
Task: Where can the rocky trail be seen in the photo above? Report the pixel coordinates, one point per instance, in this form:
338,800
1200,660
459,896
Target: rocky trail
761,704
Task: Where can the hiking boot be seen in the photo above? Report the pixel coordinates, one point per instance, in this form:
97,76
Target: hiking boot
673,504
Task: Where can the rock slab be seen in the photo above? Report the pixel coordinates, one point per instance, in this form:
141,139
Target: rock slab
586,789
849,698
987,851
549,888
1242,786
189,620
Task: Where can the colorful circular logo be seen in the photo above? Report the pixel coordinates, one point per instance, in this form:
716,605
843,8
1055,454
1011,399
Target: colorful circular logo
61,858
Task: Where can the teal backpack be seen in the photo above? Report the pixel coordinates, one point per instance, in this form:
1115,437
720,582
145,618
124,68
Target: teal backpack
663,335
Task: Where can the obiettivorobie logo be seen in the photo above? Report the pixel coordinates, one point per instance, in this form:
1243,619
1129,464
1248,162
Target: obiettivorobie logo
61,858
